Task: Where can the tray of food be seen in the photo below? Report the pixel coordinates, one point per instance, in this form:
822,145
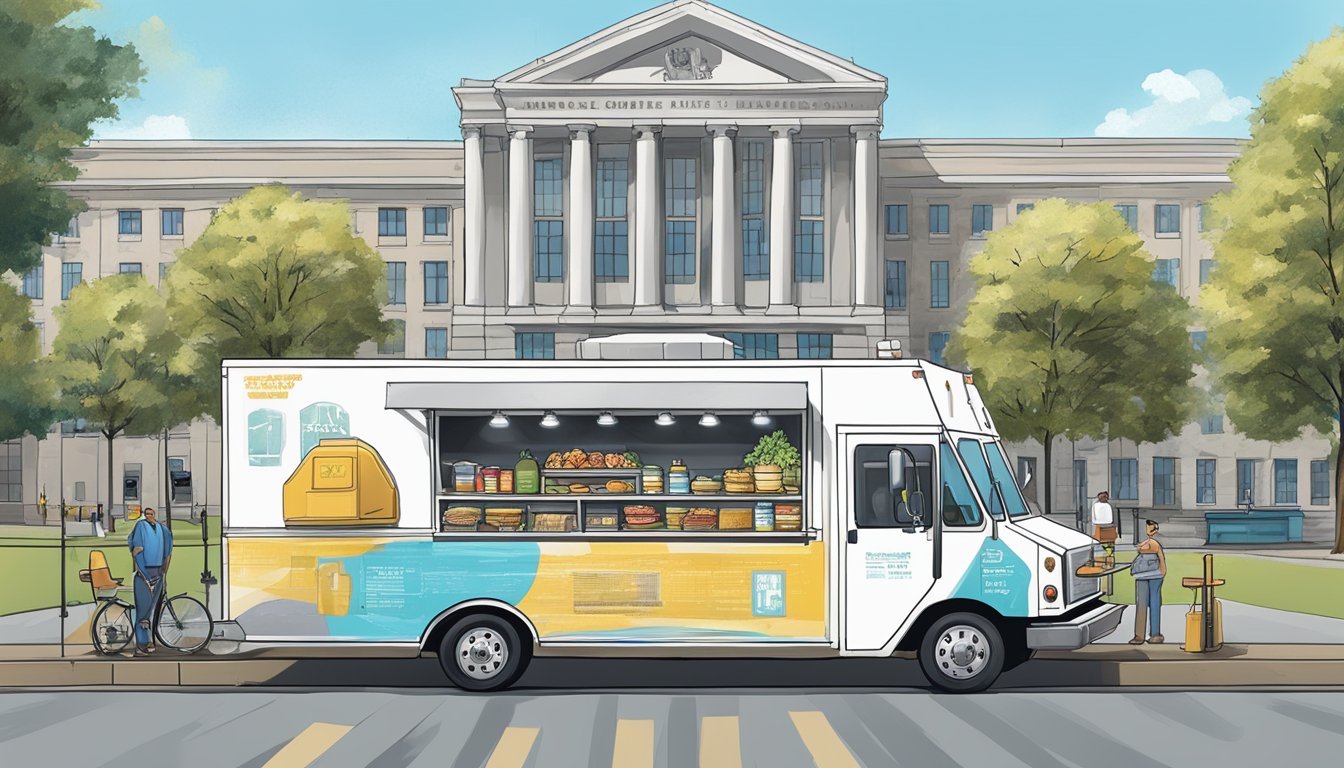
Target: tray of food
577,458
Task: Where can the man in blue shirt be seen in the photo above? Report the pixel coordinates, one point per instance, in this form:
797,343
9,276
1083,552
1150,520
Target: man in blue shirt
151,546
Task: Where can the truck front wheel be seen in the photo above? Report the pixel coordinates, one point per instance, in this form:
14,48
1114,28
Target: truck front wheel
962,653
483,652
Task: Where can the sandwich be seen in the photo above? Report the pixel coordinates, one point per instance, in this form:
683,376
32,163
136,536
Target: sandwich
737,519
700,519
640,517
619,486
504,518
461,517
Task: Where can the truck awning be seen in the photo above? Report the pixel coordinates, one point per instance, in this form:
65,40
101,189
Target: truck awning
605,396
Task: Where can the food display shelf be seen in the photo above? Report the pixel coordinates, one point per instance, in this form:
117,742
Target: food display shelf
502,498
615,473
783,537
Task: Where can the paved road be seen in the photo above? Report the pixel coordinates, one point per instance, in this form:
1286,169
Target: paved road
707,728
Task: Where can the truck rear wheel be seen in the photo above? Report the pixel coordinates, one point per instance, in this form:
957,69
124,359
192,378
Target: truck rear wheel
483,652
962,653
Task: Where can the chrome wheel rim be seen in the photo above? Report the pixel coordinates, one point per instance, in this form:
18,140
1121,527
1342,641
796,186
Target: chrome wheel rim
482,653
962,652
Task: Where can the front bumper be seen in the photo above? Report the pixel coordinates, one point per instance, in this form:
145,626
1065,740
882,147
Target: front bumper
1074,633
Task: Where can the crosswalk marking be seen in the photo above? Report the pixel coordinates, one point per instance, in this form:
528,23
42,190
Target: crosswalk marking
513,747
309,745
634,744
720,742
822,740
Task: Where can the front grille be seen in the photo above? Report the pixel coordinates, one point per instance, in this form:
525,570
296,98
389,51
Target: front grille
1077,587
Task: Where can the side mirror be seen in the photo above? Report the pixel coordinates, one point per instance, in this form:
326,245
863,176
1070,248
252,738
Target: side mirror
916,505
896,471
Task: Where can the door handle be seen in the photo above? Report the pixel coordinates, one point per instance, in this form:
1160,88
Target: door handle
853,536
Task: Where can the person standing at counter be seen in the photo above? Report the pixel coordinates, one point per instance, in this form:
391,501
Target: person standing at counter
1149,569
1103,522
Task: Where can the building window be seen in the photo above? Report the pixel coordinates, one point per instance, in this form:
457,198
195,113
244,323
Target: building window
1125,479
1024,207
1203,217
72,274
938,218
1211,424
1167,271
1205,267
938,345
895,294
898,220
128,222
436,342
72,228
939,290
1130,213
755,239
436,221
754,346
11,470
395,343
534,346
611,252
548,228
163,270
814,346
1164,481
391,222
1205,481
1168,219
680,198
1320,483
809,246
1198,339
32,283
436,282
129,268
172,222
1285,481
982,220
396,282
1245,481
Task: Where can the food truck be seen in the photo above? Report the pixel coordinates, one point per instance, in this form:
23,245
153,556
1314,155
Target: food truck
493,511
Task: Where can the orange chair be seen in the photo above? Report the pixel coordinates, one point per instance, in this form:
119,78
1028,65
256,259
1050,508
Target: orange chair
99,577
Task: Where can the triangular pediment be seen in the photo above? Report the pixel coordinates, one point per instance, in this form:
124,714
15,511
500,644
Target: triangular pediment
689,40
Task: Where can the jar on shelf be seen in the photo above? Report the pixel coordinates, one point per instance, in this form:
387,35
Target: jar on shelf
678,478
765,516
490,480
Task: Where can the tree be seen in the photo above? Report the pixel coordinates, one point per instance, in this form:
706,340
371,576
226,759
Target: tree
109,355
275,275
1069,334
55,81
26,398
1274,304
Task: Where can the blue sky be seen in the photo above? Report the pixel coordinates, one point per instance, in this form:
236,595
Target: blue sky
299,69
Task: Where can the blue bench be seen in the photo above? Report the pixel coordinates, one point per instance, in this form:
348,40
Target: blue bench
1259,526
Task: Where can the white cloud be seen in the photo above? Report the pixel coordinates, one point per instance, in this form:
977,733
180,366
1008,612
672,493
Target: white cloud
153,127
1182,105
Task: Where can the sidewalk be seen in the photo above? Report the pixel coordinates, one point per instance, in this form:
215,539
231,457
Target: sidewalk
1242,623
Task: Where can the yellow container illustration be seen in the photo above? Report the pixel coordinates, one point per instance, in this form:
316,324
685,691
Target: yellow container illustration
341,482
333,590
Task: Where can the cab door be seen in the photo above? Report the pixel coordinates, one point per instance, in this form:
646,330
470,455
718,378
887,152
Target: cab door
889,554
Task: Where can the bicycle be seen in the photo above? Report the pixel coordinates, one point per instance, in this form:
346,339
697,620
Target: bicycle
180,623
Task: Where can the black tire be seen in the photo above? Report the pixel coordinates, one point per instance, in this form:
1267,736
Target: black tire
184,624
962,653
482,652
113,627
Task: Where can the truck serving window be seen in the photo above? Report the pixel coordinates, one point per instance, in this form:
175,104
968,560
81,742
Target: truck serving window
1012,495
958,502
970,452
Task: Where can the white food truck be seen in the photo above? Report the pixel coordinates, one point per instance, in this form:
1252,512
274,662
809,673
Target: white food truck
490,511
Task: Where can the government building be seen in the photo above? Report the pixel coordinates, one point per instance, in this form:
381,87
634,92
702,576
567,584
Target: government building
684,169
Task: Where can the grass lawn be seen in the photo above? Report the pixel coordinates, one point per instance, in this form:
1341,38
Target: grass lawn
1258,581
30,559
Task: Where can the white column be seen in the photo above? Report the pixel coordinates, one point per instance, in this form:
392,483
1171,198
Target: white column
781,216
648,273
865,215
723,241
580,225
474,225
520,216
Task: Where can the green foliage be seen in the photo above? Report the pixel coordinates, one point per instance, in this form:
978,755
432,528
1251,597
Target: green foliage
55,82
275,275
776,449
26,398
1069,334
112,356
1275,301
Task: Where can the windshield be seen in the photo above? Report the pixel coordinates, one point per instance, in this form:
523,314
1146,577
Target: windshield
974,458
1012,496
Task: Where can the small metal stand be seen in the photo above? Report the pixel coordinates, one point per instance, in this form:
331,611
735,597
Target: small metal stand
208,579
1206,584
